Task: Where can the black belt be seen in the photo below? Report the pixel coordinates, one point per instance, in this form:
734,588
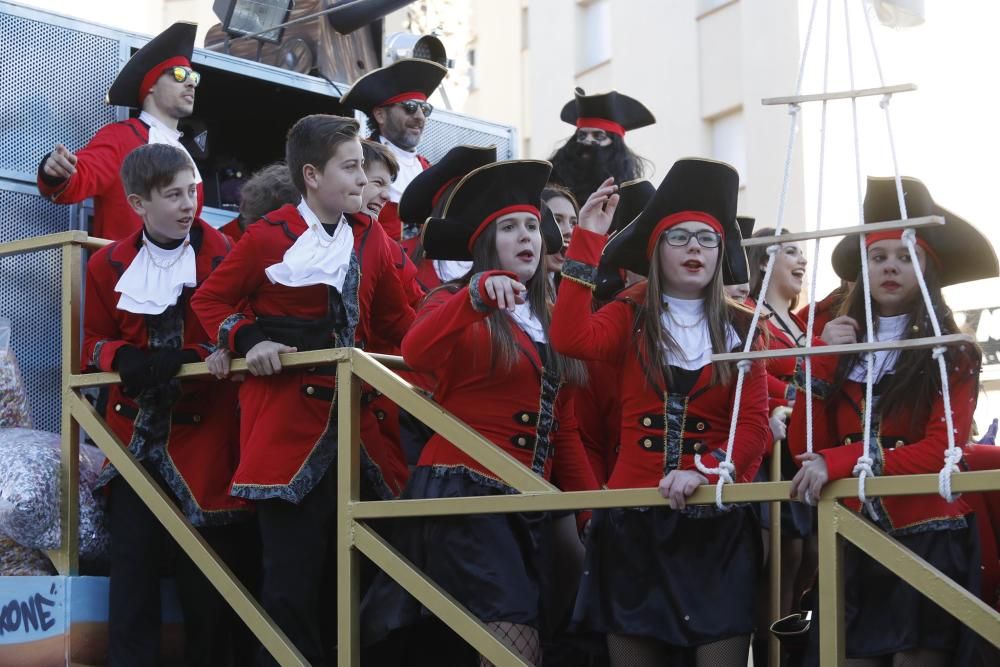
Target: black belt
131,412
302,334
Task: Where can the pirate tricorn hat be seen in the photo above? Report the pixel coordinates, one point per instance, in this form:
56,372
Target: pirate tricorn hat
172,47
611,112
485,194
405,79
429,189
695,189
632,198
960,251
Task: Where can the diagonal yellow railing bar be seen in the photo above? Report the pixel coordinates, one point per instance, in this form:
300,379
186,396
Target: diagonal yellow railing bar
831,585
848,348
917,572
870,228
438,602
175,523
348,406
509,469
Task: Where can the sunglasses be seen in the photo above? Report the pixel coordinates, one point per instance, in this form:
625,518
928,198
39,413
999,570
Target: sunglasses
182,74
410,107
681,237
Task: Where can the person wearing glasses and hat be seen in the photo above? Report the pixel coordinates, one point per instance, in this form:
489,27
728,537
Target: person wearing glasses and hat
597,150
887,618
159,81
394,98
660,580
484,338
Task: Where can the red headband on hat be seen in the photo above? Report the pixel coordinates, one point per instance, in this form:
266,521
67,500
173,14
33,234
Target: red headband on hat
506,210
440,192
157,71
897,234
675,219
601,124
403,97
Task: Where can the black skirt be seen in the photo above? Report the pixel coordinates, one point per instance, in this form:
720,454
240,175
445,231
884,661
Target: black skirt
494,564
884,615
657,573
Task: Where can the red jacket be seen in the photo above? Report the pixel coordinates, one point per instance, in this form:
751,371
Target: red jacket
389,216
198,452
986,505
826,310
598,412
97,175
899,448
451,341
288,434
650,448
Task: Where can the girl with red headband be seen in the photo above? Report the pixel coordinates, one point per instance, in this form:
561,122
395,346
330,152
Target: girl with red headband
886,617
484,339
659,580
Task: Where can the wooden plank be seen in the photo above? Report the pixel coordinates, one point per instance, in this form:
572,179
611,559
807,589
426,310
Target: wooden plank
849,348
870,228
44,242
840,95
348,406
832,649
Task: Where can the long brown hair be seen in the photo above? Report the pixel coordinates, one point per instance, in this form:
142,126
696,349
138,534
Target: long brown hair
654,340
757,255
503,351
916,380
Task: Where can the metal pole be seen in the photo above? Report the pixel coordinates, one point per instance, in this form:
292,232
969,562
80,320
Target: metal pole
348,406
831,585
68,559
773,645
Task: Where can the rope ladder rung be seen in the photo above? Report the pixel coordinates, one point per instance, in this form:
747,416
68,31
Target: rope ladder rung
848,348
840,95
870,228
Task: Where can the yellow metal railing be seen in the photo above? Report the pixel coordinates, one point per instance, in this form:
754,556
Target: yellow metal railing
836,523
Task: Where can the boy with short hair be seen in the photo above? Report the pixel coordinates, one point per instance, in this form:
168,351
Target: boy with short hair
305,277
138,321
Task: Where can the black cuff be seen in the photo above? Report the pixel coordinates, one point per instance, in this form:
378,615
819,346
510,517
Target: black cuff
51,181
579,272
190,357
246,337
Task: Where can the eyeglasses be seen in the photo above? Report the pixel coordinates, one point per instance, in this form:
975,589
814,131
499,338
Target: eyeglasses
679,237
182,74
591,136
410,107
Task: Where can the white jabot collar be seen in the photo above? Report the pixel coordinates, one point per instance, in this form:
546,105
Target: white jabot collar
529,323
161,134
685,320
156,277
409,168
886,329
451,269
316,258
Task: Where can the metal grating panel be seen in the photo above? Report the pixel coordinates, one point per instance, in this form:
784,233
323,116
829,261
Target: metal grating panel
52,90
29,297
445,130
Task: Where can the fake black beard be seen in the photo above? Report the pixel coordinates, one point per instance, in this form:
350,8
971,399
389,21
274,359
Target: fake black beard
583,167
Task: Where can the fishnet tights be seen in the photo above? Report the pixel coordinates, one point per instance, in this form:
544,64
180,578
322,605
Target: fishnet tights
521,639
915,658
632,651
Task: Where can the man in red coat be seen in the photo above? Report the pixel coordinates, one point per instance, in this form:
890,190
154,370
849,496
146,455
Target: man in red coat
306,277
159,81
395,100
138,322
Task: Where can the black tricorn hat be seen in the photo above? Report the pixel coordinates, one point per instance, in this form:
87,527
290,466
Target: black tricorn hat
551,233
693,185
737,269
612,112
405,79
962,252
633,197
173,46
430,187
483,195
